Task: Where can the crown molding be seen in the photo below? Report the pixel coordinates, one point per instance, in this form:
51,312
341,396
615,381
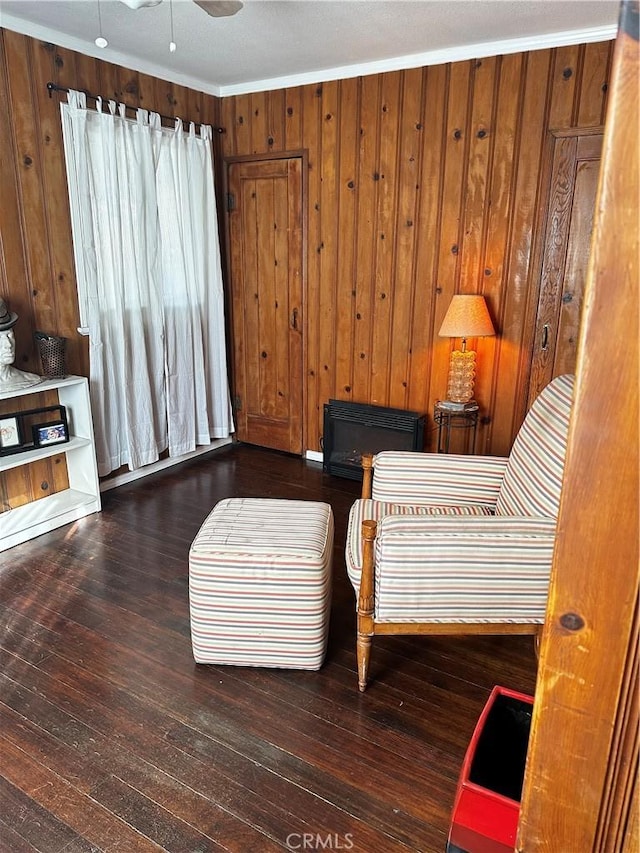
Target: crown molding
107,54
343,72
433,57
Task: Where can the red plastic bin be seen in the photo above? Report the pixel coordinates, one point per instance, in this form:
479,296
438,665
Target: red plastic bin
487,803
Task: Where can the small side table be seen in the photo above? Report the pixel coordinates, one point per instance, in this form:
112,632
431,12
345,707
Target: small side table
449,418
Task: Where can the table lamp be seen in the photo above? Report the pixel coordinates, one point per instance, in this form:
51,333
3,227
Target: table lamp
467,317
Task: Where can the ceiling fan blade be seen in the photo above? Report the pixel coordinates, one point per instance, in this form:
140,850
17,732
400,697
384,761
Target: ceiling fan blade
219,8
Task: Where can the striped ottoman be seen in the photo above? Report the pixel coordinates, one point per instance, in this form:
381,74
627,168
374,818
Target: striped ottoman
260,583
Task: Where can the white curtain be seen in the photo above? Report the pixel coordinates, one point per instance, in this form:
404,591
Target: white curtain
149,282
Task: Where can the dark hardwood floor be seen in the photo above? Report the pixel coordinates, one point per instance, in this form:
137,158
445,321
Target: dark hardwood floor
112,738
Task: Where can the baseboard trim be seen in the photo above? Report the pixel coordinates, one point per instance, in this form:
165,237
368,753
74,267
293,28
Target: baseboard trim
160,465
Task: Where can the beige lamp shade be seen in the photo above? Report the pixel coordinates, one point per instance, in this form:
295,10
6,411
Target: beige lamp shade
467,317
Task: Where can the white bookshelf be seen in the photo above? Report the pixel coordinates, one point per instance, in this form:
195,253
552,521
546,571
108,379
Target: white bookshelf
83,495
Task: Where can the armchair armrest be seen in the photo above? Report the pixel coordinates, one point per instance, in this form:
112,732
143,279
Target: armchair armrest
435,478
462,568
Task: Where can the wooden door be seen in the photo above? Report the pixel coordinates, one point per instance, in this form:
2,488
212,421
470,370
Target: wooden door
569,223
266,254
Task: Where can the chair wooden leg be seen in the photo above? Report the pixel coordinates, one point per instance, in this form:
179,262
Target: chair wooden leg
363,652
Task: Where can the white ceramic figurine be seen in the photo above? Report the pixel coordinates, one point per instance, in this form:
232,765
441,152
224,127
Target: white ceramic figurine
11,379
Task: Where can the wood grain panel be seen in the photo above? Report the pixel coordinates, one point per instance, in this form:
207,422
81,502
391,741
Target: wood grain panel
497,364
582,762
328,248
348,140
409,150
595,73
454,163
473,201
432,132
563,86
311,141
37,274
367,197
387,176
518,313
292,119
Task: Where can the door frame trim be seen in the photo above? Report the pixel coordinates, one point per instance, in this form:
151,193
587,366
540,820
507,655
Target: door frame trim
303,155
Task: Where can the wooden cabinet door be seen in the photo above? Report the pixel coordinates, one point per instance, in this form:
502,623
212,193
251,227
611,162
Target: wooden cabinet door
569,222
266,252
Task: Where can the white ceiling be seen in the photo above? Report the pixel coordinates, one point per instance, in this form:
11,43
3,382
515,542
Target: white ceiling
271,44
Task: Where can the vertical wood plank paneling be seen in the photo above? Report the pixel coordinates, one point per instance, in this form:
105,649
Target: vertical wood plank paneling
366,233
432,134
15,285
404,284
86,75
53,63
37,274
563,86
276,121
494,360
595,72
480,143
311,141
31,190
48,66
34,305
518,315
348,139
386,176
241,138
450,237
259,123
473,201
293,119
328,256
110,82
295,288
481,136
16,484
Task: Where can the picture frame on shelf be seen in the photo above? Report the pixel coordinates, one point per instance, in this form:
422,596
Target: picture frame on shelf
10,433
52,432
33,429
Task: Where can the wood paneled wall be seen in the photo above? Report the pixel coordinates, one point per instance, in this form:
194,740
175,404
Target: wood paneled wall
423,183
37,275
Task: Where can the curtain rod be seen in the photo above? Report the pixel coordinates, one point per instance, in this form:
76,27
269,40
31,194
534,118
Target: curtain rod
53,87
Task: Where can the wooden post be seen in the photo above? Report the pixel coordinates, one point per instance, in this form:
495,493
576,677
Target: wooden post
367,477
581,780
365,604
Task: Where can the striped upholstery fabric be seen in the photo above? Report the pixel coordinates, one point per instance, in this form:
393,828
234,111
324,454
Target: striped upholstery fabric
260,583
453,569
467,539
436,478
533,477
376,510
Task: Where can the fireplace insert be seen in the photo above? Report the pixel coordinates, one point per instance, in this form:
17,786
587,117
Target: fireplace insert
351,429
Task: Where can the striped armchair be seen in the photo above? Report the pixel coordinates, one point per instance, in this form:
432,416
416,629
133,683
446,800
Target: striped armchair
453,544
